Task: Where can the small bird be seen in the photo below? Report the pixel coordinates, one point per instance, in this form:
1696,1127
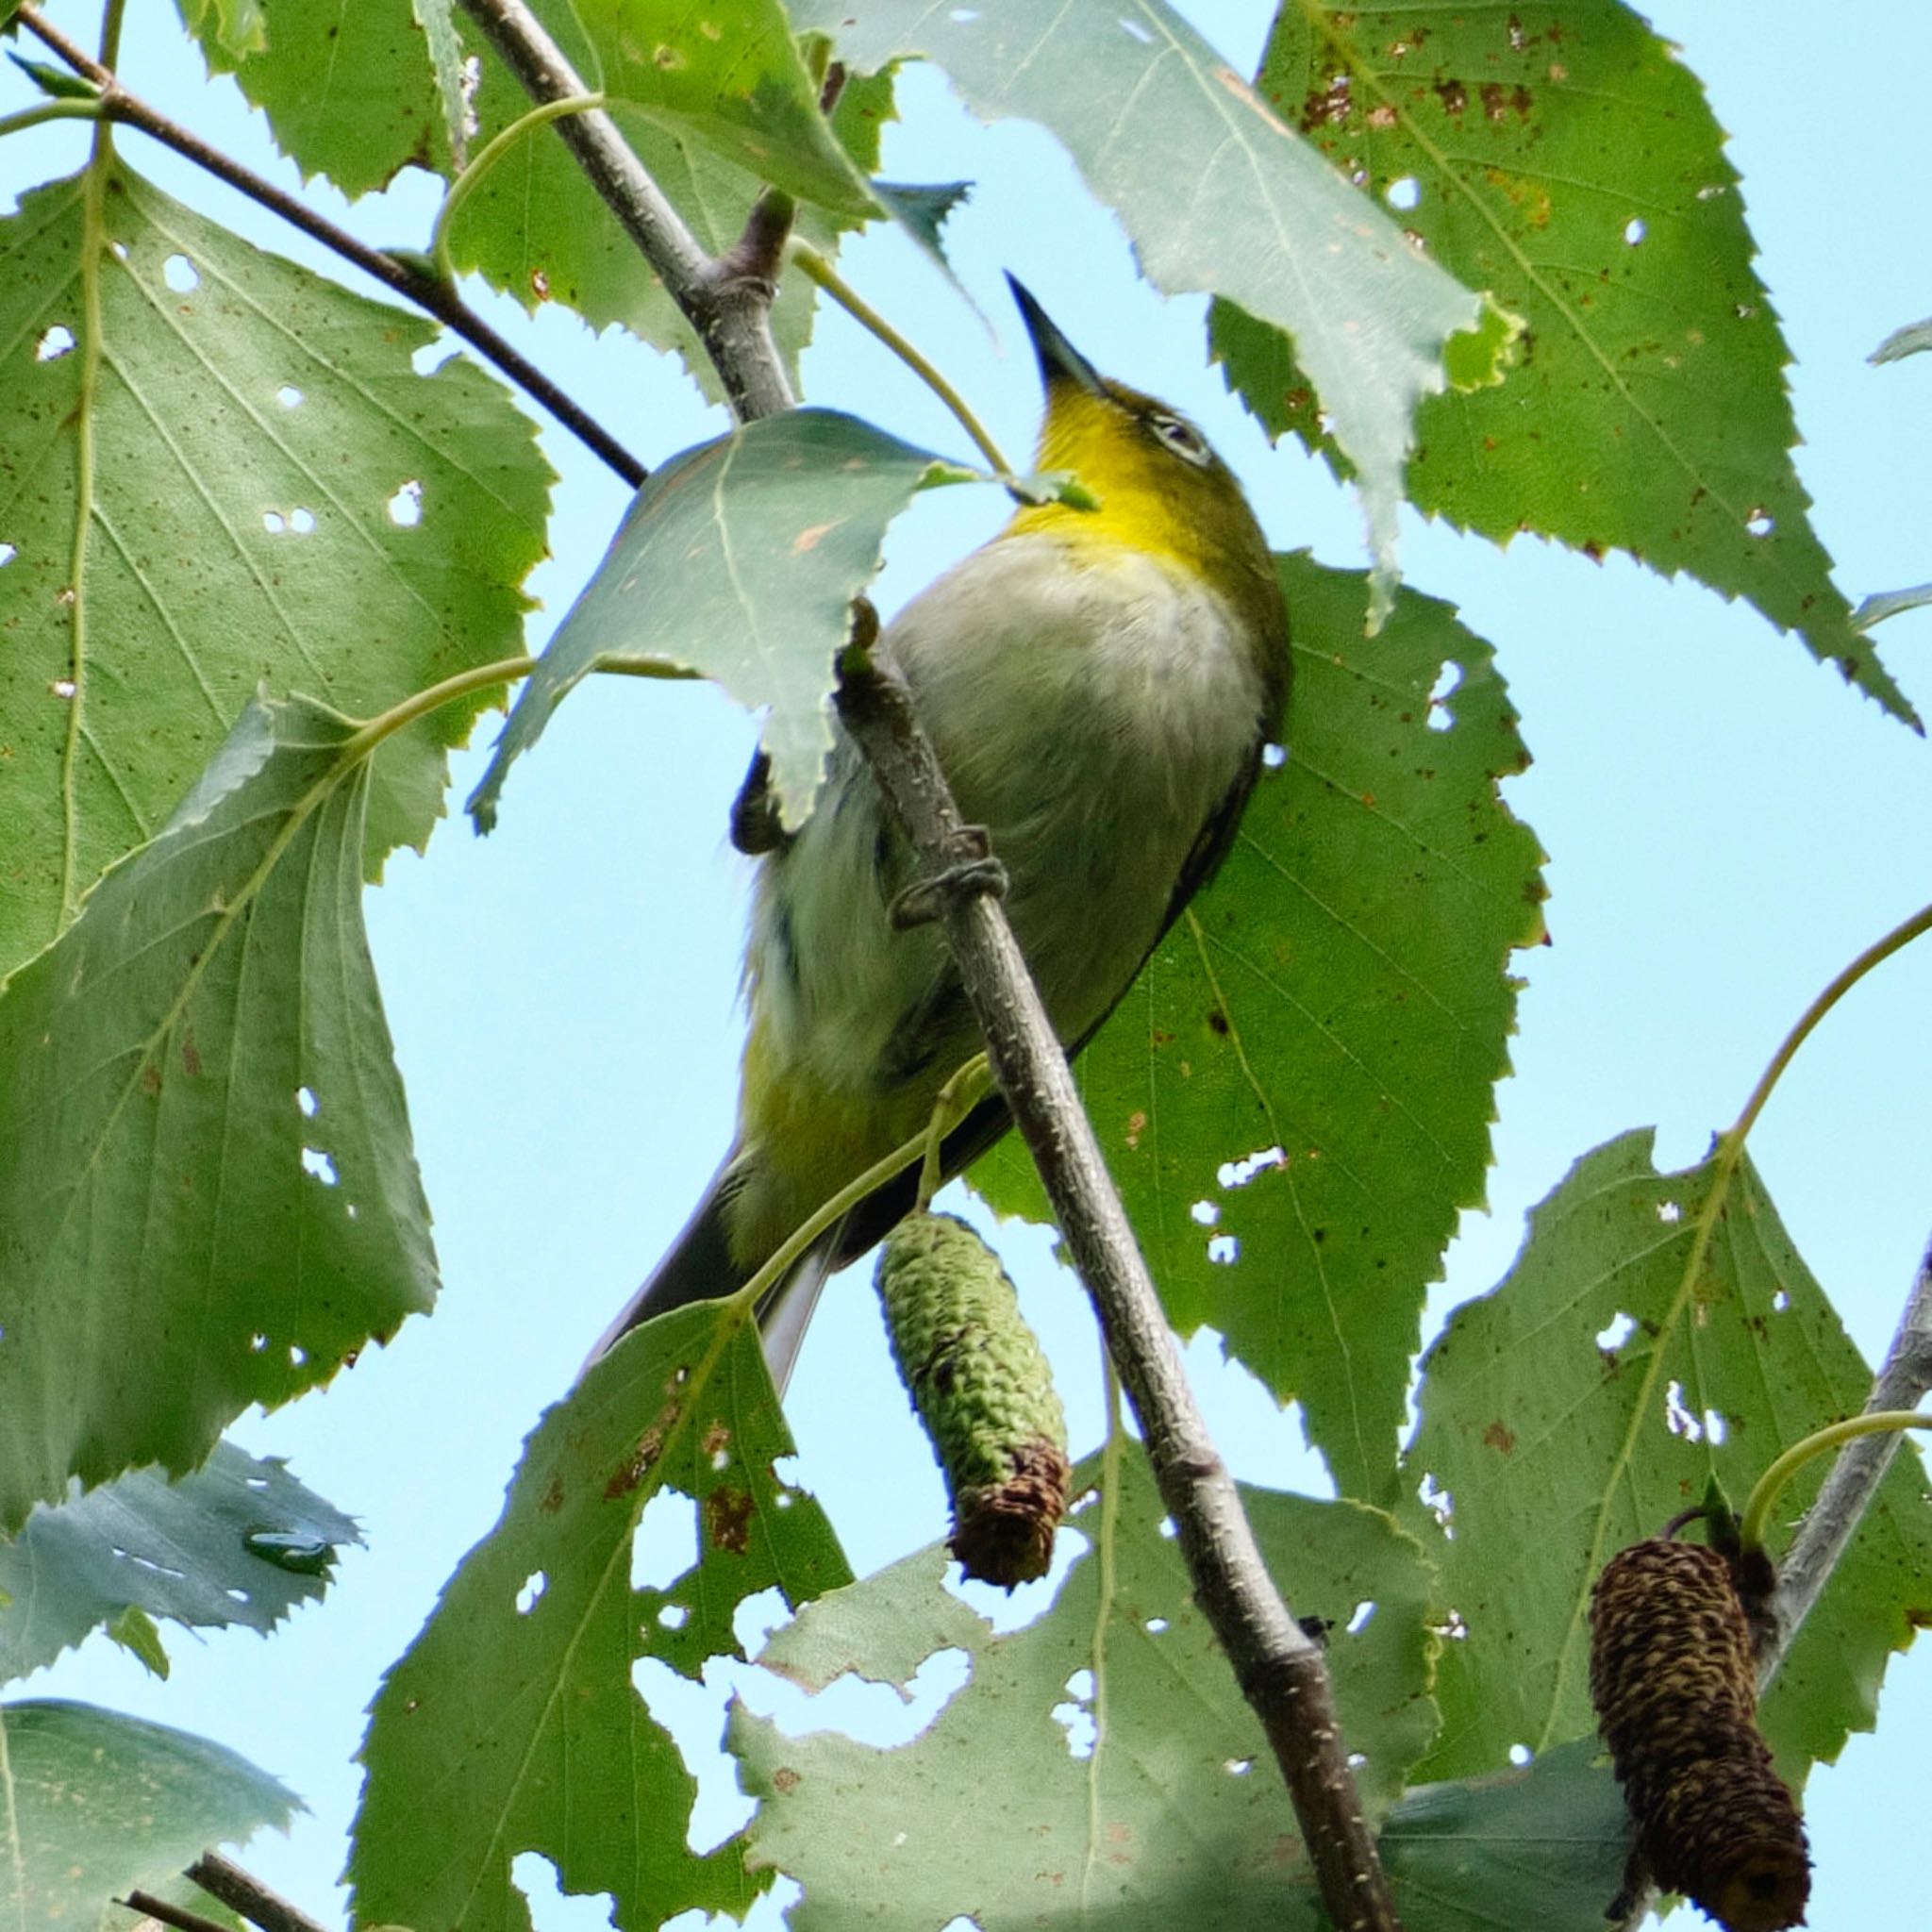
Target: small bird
1099,685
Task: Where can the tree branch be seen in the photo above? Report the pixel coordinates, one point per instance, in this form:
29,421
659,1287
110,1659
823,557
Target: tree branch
1848,1490
162,1913
241,1891
426,291
730,311
1281,1671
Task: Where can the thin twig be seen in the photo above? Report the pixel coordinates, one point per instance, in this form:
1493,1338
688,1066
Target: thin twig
241,1891
1280,1669
731,316
402,278
149,1907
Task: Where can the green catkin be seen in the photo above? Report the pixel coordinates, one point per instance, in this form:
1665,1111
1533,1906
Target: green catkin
984,1391
1673,1678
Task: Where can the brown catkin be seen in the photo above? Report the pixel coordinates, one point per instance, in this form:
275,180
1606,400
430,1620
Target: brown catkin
984,1391
1672,1676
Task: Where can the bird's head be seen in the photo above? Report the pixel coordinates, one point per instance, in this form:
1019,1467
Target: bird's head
1159,484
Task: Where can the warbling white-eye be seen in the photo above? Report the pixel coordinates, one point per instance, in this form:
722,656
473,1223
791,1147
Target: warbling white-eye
1099,685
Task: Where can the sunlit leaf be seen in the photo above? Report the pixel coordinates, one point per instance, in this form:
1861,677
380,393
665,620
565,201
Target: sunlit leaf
514,1722
266,492
208,1194
1590,1398
1295,1097
739,559
1563,158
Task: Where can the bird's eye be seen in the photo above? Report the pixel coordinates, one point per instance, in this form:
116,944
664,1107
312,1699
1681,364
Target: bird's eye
1180,436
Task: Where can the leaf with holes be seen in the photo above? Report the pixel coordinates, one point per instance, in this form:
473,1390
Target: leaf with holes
512,1723
98,1804
238,1540
740,559
208,1196
1564,158
264,491
1263,219
1631,1355
1295,1097
1173,1817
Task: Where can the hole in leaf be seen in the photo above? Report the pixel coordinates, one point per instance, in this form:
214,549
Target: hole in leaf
1634,231
1520,1753
1358,1621
1273,756
757,1617
1622,1327
1715,1426
305,1100
673,1616
298,1356
1760,523
535,1584
1155,1625
1448,681
320,1165
1081,1729
406,507
1135,31
302,521
63,686
1205,1213
1678,1418
665,1544
56,342
239,1596
8,553
1669,1212
273,522
290,396
550,1905
1780,1302
1405,192
180,274
1238,1173
1224,1250
1239,1767
1079,1687
1438,1502
257,1343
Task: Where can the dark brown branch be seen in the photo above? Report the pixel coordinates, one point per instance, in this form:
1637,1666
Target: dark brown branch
1281,1671
426,291
732,317
149,1907
243,1893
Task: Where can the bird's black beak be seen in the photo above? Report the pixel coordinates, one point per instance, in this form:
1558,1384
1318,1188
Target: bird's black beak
1059,362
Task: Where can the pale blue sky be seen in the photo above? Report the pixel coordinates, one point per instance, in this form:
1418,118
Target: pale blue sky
1726,824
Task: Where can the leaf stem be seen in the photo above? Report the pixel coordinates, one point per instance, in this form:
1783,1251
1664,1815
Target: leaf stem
415,285
1873,954
420,703
50,111
816,268
493,151
1770,1485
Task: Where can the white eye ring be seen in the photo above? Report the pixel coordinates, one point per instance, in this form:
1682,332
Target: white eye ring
1180,436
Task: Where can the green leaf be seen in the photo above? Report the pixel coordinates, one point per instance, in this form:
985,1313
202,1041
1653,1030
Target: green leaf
58,83
1176,1817
1591,1397
93,1804
1543,1847
145,1547
1566,160
739,559
512,1723
1264,220
437,18
349,90
922,209
266,492
1311,1052
207,1196
135,1631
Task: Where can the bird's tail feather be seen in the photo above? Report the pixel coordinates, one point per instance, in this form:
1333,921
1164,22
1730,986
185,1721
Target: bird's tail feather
699,1267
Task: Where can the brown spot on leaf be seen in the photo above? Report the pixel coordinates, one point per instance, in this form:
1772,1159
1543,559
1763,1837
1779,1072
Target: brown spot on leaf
783,1779
1498,100
728,1519
1497,1436
636,1465
553,1497
808,538
150,1078
191,1057
1217,1022
1452,95
1137,1126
